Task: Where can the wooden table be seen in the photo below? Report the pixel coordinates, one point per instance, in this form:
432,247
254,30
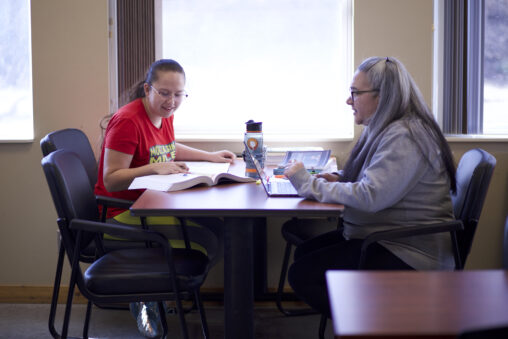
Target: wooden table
422,304
237,203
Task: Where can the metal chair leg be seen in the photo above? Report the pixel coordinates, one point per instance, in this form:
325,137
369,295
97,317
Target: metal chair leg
322,326
68,306
202,315
56,290
280,289
164,323
87,319
181,317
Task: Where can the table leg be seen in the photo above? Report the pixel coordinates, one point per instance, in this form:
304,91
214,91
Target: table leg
259,260
238,278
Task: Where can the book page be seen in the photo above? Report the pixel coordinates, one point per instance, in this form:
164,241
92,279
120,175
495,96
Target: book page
159,182
201,172
207,168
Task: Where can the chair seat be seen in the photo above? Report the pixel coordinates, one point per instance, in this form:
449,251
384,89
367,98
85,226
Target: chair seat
142,270
110,245
297,232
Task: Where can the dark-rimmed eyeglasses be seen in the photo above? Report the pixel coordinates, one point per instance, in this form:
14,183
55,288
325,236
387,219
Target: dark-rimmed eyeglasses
168,95
356,92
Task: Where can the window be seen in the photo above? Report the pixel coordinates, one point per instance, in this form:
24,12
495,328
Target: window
495,76
287,63
16,108
471,63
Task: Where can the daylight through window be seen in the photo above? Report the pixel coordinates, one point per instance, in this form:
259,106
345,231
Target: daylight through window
16,108
495,77
286,63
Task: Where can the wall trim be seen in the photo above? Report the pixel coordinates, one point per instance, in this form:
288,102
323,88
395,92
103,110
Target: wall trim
36,295
42,294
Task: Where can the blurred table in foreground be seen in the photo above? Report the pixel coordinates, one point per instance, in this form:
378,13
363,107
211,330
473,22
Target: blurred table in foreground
423,304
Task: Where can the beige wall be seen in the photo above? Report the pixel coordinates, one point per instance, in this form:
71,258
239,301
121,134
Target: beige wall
70,67
70,83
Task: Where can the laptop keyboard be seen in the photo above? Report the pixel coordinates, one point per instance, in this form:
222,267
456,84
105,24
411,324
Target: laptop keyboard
284,187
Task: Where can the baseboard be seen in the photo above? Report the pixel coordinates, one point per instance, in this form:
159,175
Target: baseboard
36,295
43,294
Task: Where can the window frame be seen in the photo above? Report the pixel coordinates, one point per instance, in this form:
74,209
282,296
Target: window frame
278,136
30,130
458,69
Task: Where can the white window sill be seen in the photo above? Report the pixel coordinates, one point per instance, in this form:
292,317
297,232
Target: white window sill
266,138
20,141
476,138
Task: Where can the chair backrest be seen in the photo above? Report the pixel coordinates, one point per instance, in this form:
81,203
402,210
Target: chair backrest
76,141
473,177
485,333
505,245
72,195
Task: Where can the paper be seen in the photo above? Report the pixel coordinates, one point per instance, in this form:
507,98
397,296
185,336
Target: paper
207,168
201,172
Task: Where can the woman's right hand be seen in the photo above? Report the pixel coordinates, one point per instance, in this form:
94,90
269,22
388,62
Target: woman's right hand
170,167
118,175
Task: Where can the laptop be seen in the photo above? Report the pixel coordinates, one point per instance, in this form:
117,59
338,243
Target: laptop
274,187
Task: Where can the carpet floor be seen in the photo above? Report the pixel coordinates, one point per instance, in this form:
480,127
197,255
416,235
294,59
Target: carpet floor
31,321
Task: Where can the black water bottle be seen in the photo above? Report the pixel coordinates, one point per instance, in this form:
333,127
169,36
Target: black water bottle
253,138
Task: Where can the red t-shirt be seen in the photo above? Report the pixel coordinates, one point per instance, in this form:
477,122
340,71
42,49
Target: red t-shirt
131,131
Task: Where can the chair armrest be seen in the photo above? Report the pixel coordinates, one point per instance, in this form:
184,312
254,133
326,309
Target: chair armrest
115,202
125,232
111,202
450,226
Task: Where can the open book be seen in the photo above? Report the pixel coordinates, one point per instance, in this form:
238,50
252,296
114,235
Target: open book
201,172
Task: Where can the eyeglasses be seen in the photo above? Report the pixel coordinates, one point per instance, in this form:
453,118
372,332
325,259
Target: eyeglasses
355,92
168,95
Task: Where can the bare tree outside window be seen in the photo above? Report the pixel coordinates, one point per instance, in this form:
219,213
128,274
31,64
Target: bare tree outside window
495,105
16,107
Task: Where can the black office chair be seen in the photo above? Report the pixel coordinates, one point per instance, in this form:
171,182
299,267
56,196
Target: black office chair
75,140
505,245
473,178
296,232
158,273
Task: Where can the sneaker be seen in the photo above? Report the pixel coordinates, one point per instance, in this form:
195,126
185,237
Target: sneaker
169,307
147,318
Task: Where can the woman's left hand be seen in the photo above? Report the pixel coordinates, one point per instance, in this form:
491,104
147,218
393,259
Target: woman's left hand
222,156
292,168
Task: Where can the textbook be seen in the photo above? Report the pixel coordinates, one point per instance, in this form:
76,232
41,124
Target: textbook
200,173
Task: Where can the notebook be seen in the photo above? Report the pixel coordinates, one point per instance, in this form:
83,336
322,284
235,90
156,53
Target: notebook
274,187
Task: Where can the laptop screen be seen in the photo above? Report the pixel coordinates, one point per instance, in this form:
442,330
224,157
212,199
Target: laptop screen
257,165
281,189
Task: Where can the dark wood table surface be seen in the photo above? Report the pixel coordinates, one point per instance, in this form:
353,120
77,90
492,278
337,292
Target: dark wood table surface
424,304
237,204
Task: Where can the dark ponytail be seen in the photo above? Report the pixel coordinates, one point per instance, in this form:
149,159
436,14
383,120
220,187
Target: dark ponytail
164,65
138,90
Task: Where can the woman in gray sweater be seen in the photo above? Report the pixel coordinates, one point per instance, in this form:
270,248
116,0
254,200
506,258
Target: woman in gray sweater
399,174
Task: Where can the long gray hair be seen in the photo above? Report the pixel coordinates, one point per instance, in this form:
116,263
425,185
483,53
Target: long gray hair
399,99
